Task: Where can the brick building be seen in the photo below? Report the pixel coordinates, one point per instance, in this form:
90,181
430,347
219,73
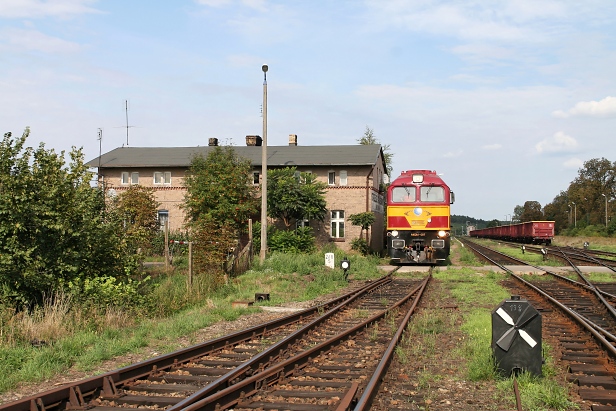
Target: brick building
354,175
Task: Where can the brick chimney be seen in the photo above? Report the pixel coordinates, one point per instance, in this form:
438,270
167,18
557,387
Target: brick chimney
254,140
292,139
213,142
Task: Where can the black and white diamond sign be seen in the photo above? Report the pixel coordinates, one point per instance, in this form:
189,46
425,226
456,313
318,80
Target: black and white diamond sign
516,337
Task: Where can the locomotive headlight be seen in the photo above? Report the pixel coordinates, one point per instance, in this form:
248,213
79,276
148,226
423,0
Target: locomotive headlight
394,233
442,234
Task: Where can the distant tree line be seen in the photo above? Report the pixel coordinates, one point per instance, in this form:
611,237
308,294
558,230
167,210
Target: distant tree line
584,206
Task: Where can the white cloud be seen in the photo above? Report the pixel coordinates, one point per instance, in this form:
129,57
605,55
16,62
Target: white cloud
214,3
573,163
492,146
35,40
558,143
603,108
252,4
45,8
453,154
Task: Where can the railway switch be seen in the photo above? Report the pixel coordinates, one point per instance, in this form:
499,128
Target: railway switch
516,337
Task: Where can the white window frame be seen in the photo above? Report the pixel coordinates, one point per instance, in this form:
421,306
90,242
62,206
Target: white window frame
163,215
162,178
344,179
337,224
256,177
331,178
129,178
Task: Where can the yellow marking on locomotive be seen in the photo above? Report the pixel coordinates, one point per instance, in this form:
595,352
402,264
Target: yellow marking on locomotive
419,217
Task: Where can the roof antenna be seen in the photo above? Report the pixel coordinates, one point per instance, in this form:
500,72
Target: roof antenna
127,126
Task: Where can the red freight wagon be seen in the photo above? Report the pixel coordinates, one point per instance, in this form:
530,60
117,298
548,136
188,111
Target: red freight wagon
535,232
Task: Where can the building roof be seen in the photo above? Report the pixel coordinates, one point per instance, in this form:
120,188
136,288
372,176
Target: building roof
347,155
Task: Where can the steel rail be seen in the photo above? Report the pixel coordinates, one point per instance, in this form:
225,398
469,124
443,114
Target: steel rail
584,322
371,389
73,394
265,358
231,396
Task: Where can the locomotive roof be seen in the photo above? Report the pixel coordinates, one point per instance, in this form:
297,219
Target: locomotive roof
429,177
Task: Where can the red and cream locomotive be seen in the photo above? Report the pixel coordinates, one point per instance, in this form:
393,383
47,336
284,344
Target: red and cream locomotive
418,218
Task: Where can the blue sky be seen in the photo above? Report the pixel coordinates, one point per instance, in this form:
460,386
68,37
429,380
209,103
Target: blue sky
506,99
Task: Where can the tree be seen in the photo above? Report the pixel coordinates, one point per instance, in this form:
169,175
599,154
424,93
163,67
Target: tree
294,196
493,223
218,187
532,212
369,138
364,220
517,214
53,225
137,208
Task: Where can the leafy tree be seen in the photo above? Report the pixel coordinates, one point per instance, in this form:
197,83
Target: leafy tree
517,214
212,246
137,208
532,212
363,220
493,223
369,138
596,177
294,196
53,225
218,188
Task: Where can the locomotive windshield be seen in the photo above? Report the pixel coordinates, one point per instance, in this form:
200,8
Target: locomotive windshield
432,194
403,194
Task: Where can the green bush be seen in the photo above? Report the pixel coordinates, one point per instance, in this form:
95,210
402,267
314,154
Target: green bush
361,245
298,241
103,292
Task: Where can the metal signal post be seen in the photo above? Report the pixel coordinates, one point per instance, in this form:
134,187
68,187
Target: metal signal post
264,170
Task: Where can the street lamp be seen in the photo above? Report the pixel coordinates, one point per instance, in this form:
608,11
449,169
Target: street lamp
574,214
605,209
264,170
569,216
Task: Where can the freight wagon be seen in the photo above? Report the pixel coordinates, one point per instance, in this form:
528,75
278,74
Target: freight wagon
530,232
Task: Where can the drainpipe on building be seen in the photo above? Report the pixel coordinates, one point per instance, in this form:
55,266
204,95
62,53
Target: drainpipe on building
368,189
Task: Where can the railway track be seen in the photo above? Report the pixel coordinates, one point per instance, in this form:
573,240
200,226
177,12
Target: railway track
328,355
580,320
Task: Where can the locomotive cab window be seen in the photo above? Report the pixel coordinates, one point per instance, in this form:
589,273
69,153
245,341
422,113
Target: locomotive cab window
403,194
432,194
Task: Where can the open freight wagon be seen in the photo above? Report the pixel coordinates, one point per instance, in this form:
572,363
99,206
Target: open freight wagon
530,232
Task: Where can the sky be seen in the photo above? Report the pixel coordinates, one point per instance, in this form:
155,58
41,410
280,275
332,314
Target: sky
505,98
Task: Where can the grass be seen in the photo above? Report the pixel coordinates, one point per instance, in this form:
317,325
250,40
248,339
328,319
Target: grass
82,341
477,294
286,278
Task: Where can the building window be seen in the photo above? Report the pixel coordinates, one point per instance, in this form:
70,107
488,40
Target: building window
337,221
343,177
255,178
163,218
331,178
302,223
130,178
162,177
